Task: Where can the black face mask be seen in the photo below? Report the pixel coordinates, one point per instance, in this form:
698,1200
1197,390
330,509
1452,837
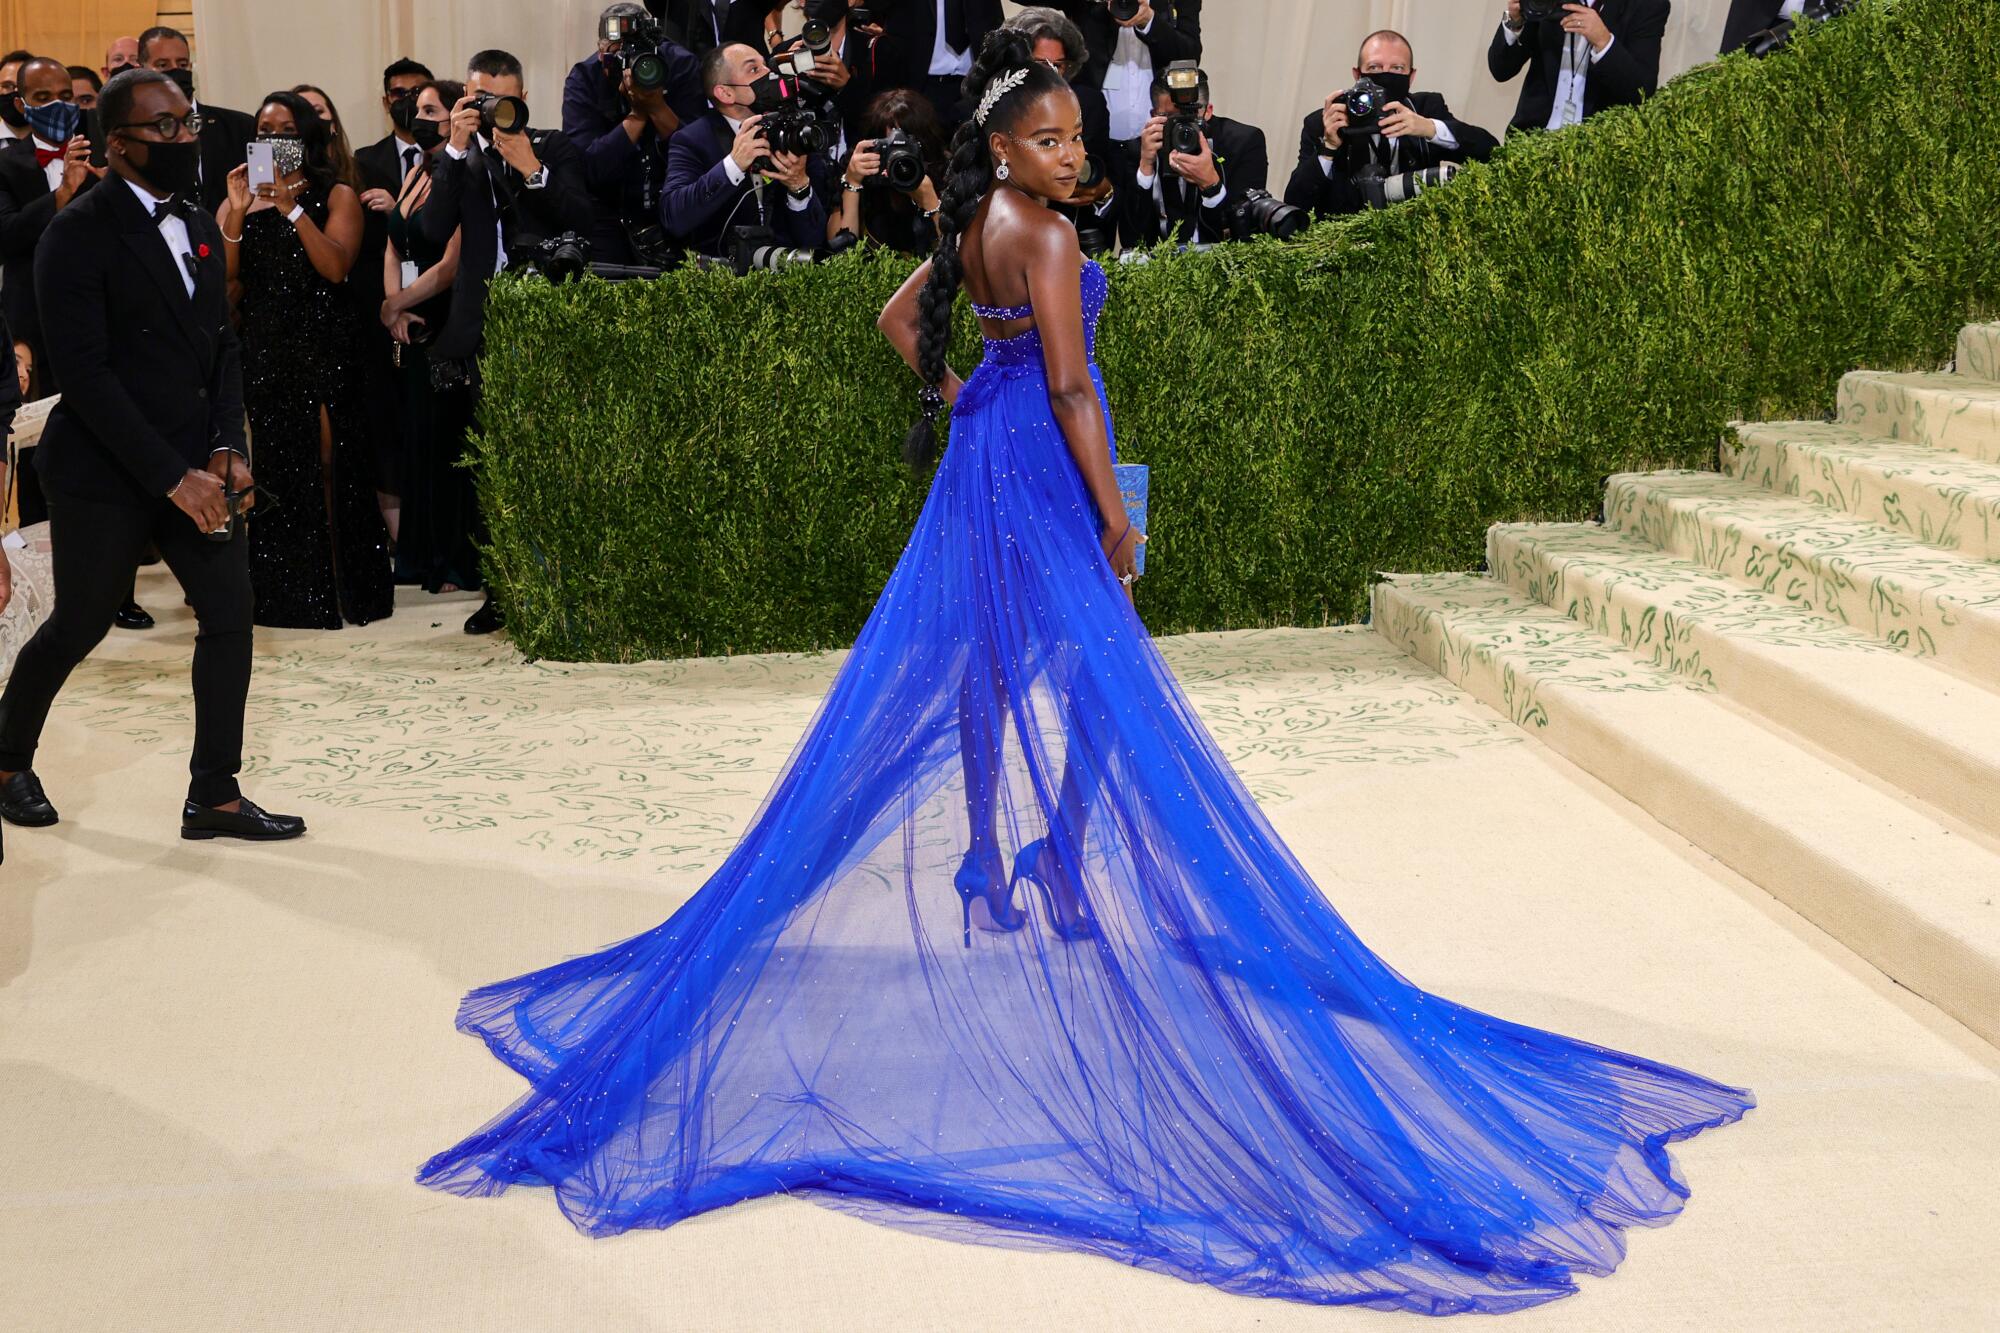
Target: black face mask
770,94
428,133
184,80
169,168
10,111
403,114
1396,85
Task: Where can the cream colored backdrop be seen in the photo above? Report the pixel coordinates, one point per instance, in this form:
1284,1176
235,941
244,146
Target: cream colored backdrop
1270,60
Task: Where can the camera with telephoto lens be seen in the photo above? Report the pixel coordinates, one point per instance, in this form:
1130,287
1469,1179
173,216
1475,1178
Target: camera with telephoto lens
508,115
563,258
1122,10
635,40
1543,11
1381,190
1261,213
902,162
1773,38
793,129
756,250
1364,103
1188,87
816,37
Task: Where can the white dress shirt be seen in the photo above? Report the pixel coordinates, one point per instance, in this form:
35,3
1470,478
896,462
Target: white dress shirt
54,169
945,62
1128,83
173,229
1791,9
1444,138
1578,56
738,175
533,182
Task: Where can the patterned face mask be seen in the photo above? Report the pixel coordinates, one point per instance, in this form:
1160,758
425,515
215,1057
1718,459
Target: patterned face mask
288,152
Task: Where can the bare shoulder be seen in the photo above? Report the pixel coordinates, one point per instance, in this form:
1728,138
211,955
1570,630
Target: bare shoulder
1046,237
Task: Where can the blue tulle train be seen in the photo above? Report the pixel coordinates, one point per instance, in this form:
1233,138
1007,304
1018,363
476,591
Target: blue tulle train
1219,1082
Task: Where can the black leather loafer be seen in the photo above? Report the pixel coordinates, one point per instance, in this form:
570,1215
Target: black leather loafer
23,802
133,616
486,619
248,823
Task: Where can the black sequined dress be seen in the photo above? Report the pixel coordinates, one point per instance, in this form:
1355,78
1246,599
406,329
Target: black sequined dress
319,552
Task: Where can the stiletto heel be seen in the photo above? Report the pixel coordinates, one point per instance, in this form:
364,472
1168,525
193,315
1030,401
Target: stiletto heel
1028,866
973,883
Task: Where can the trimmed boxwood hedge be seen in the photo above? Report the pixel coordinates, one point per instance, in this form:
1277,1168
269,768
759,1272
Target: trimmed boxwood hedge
706,464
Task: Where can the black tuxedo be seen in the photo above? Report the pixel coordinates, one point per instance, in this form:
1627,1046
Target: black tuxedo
153,383
1629,71
1746,19
699,207
469,194
696,24
225,134
1175,34
1242,160
26,207
1331,194
381,163
909,33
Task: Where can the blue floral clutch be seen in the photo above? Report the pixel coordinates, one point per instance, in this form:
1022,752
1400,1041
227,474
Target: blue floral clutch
1134,484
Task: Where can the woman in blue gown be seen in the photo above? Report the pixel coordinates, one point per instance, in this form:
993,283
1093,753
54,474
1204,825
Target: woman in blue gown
1010,954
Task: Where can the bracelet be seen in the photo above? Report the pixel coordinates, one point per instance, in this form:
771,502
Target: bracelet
1121,539
297,211
237,239
931,212
849,186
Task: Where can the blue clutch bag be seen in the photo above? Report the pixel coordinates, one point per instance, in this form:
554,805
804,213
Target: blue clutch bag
1134,484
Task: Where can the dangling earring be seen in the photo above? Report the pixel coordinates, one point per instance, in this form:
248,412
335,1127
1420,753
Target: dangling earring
1000,172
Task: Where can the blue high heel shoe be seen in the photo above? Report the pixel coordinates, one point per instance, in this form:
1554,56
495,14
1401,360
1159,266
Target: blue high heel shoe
1028,866
975,885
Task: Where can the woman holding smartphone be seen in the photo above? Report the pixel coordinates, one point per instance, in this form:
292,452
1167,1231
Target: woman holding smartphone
319,551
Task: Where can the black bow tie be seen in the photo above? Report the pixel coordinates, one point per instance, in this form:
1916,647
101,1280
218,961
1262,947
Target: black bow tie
169,207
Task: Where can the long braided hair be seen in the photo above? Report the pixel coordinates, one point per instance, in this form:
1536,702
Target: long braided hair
969,175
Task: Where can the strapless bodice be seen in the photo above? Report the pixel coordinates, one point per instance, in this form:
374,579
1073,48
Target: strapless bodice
1026,348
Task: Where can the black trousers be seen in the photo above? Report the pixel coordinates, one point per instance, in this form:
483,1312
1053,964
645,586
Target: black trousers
97,546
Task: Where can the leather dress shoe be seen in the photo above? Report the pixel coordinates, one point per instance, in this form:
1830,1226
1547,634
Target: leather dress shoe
486,619
23,802
249,823
134,616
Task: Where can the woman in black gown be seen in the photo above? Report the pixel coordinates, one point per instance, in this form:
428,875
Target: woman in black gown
319,551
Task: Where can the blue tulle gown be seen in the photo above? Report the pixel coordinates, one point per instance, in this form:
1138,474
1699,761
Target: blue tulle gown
1221,1082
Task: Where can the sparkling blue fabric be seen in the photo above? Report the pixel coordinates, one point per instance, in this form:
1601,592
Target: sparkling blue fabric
1223,1083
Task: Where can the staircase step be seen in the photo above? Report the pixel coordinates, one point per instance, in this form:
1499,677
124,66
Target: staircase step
1901,890
1942,410
1910,596
1926,732
1979,351
1942,499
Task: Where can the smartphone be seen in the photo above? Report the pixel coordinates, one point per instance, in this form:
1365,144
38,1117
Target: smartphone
93,130
263,169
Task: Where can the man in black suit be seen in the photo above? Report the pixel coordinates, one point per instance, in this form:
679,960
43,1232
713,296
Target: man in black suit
224,133
928,45
1600,53
38,178
146,446
621,132
1416,131
1162,32
385,163
503,192
722,174
1747,18
1189,195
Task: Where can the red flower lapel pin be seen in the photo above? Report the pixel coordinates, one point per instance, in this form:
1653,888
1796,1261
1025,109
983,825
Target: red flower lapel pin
202,249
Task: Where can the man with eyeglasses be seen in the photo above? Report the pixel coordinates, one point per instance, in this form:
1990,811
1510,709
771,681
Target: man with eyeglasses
1342,169
146,446
225,134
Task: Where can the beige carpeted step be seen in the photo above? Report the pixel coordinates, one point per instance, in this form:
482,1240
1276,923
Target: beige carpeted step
1940,498
1944,411
1979,351
1926,732
1916,900
1911,596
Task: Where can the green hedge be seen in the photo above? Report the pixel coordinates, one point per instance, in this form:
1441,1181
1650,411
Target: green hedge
707,465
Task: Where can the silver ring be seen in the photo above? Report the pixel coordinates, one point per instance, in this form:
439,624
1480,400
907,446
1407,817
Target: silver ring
1126,579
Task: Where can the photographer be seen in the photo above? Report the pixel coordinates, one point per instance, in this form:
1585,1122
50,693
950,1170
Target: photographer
1580,58
722,171
1129,42
1171,190
888,189
1353,159
928,45
620,107
505,188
